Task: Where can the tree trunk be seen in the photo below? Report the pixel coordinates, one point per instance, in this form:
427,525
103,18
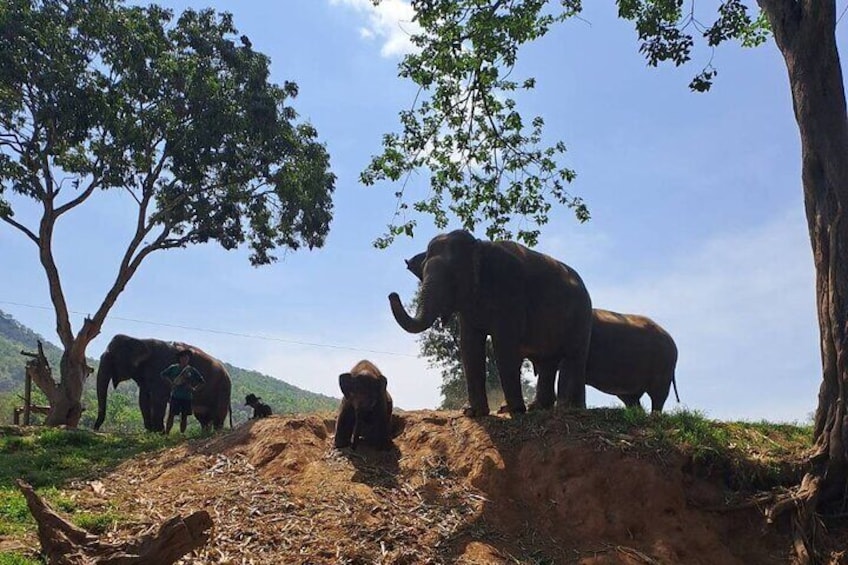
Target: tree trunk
66,544
805,33
65,406
64,397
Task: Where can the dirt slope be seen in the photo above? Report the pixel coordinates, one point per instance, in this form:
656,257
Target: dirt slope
536,490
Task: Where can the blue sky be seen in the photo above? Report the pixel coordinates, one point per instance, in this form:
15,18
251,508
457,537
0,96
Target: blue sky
696,204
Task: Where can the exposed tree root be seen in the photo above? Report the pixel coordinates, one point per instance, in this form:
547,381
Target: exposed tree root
806,524
66,544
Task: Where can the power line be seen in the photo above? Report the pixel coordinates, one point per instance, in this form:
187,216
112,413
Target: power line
224,332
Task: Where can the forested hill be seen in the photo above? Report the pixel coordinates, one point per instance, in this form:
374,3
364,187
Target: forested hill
123,402
14,336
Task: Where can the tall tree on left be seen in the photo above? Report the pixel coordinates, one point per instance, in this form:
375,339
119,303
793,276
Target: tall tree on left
177,114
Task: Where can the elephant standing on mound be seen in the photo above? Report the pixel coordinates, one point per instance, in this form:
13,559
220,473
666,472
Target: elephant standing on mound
631,355
143,360
532,305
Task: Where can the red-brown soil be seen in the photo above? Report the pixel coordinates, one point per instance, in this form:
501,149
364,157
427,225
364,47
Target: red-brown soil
545,489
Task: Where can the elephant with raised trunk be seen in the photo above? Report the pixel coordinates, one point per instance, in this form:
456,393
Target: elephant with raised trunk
631,355
143,361
532,306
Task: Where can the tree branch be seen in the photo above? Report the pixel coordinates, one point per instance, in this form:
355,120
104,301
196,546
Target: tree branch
12,141
125,272
57,295
39,371
79,199
26,231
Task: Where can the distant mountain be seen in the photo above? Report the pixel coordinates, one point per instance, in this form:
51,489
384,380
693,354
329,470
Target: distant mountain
14,336
123,401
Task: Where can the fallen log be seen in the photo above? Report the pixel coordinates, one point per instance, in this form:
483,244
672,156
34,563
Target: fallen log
63,543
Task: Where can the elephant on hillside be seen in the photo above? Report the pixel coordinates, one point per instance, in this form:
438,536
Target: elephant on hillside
631,355
143,360
532,306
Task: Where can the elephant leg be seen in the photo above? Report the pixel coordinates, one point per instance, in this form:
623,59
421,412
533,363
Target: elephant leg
544,385
144,406
344,425
658,395
571,388
202,416
158,408
631,400
472,346
508,359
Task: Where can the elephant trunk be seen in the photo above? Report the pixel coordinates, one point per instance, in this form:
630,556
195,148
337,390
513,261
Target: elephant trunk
424,317
103,378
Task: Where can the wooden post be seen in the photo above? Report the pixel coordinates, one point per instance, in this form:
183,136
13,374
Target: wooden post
38,372
27,398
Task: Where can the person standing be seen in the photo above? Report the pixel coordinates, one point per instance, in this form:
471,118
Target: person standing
184,380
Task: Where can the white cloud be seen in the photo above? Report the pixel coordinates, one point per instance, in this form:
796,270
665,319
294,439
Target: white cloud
390,21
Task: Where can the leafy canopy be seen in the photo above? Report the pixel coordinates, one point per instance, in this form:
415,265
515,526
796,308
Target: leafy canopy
179,114
488,160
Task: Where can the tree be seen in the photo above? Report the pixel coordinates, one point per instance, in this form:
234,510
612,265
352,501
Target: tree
467,130
179,116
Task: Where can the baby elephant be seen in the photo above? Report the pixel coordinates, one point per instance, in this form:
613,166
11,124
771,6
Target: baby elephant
366,409
260,409
629,356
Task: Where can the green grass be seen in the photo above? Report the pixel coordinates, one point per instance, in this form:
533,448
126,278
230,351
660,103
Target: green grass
51,456
98,522
16,559
48,458
746,455
14,514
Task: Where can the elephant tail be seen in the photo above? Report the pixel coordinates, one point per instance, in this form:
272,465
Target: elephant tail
231,409
674,384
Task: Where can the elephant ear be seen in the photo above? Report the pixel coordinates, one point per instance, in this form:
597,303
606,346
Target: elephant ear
384,383
415,265
108,366
347,384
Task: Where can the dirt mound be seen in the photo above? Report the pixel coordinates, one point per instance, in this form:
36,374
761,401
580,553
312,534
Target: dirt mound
540,489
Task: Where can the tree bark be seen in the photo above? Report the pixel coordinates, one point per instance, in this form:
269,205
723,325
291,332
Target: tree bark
66,544
64,397
65,406
805,34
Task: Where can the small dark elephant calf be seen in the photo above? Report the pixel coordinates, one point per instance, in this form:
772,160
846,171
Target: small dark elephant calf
366,409
260,409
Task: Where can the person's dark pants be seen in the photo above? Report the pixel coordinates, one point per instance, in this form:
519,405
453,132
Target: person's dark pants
181,406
